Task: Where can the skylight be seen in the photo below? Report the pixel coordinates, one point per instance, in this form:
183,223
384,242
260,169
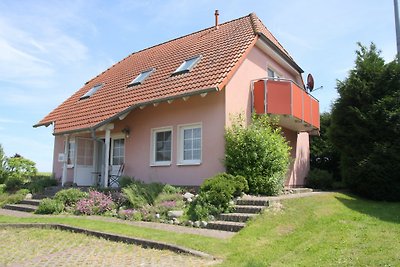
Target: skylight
91,91
141,77
187,65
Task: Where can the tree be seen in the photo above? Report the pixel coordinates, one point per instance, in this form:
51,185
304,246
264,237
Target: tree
258,152
323,154
3,161
365,126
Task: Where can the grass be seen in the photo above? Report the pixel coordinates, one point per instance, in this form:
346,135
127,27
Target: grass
324,230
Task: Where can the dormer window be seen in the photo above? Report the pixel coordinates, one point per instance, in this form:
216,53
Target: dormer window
141,77
187,65
91,91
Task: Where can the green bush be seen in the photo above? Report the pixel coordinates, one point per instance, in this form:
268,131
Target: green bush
320,179
70,197
2,188
215,195
125,181
39,182
257,152
50,206
15,182
6,198
169,189
139,194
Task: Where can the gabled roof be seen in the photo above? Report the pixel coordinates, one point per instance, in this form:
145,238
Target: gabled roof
221,49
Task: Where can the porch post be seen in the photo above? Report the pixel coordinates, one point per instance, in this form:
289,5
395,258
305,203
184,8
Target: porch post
65,162
108,129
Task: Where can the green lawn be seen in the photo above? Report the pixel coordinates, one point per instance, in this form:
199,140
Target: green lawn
324,230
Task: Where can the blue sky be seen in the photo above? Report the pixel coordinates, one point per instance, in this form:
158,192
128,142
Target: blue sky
49,49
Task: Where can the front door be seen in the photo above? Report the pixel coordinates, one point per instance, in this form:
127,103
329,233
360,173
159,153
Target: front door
84,167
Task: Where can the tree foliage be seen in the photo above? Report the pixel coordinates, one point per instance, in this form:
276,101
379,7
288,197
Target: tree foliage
324,155
258,152
366,126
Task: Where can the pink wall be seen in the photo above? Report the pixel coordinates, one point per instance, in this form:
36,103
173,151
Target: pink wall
208,110
300,154
58,166
238,95
238,100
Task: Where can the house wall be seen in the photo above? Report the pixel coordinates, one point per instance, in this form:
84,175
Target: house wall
58,166
208,110
238,100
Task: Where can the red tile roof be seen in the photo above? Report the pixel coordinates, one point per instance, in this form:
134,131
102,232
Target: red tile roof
221,49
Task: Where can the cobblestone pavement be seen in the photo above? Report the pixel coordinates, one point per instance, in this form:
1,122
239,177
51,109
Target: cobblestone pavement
40,247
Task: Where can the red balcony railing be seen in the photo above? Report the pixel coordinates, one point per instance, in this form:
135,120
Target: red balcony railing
297,110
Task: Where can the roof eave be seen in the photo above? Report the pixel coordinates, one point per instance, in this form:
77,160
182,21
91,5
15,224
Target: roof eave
121,113
280,53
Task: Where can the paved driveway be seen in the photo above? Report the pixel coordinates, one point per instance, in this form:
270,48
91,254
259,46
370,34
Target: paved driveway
40,247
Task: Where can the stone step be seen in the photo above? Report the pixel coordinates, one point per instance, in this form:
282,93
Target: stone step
297,190
226,226
236,217
33,202
248,209
21,207
252,202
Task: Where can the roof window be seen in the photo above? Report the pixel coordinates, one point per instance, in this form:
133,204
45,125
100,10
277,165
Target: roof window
92,91
187,65
141,77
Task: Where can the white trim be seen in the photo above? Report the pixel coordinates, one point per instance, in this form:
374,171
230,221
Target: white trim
153,131
181,128
277,75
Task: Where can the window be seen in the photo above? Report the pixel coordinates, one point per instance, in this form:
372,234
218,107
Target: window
118,151
91,91
190,144
162,146
272,74
187,65
141,77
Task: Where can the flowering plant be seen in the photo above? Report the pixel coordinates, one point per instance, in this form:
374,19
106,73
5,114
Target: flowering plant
96,203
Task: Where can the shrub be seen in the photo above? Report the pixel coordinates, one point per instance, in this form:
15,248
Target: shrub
70,197
2,188
130,214
320,179
95,204
50,206
125,181
215,195
140,194
39,182
14,182
257,152
169,189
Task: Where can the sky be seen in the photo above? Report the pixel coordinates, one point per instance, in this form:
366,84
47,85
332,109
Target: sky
49,49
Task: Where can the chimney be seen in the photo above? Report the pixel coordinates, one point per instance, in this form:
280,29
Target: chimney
216,19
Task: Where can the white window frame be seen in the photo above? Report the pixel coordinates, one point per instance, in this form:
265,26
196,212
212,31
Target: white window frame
153,137
181,129
277,75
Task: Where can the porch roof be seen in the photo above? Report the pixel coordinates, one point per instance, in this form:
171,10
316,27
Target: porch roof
221,49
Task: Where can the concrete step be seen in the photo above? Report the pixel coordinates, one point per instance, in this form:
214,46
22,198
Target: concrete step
21,207
248,209
297,190
33,202
252,202
236,217
226,226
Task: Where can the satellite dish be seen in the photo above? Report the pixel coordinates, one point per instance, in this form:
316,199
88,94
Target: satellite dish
310,82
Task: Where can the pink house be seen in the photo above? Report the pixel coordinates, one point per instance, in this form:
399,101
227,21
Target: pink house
161,112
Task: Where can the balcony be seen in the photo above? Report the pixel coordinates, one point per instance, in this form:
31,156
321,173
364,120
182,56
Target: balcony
296,109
